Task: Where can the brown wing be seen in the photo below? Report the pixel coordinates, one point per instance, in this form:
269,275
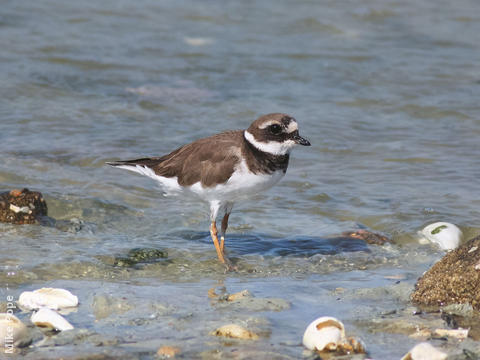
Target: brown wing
210,161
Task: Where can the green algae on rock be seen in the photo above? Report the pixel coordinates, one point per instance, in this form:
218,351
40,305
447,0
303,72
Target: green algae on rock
455,279
135,256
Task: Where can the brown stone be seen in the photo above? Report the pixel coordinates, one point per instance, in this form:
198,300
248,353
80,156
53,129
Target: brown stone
22,207
367,236
235,331
455,279
168,351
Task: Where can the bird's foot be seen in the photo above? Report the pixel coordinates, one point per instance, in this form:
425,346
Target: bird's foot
229,267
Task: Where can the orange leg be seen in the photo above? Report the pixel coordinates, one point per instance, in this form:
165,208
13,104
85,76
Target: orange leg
224,230
213,233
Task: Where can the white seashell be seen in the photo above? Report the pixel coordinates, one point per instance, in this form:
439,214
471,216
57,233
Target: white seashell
47,297
23,209
459,333
424,351
13,333
447,236
50,319
322,332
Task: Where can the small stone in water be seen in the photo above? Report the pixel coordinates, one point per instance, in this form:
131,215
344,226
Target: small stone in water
168,351
146,254
239,295
236,332
367,236
139,255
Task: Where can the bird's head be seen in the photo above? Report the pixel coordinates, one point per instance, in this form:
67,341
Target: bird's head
275,134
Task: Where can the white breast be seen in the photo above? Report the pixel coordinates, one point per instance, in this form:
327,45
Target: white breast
241,184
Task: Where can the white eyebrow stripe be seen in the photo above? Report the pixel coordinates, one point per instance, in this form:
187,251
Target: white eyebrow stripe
268,123
292,126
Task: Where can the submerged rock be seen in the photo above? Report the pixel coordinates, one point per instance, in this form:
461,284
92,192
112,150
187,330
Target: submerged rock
146,255
106,305
455,279
22,207
367,236
78,337
135,256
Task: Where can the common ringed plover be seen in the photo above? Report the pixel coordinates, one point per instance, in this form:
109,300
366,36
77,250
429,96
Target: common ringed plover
225,167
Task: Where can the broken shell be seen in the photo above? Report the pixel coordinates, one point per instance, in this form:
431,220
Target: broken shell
447,236
23,209
324,333
460,333
424,351
47,297
13,332
239,295
236,332
50,319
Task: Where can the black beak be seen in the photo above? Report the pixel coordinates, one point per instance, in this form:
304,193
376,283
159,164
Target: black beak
300,140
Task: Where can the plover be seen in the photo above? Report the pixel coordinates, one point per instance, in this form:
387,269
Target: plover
225,167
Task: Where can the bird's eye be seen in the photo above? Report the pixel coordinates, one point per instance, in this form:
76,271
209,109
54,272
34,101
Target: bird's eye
275,129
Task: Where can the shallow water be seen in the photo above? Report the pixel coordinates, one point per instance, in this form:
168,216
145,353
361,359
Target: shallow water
387,93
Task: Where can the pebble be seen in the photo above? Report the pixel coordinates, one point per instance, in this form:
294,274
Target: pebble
424,351
50,319
47,297
235,331
168,351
